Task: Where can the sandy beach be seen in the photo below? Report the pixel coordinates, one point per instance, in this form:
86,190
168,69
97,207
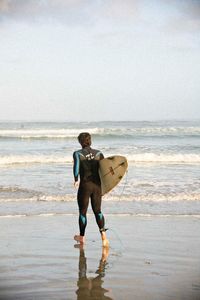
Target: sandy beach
153,257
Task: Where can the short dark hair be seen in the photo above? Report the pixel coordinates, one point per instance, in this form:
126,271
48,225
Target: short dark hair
84,139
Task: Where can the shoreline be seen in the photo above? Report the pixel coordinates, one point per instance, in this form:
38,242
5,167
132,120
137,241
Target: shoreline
149,258
139,215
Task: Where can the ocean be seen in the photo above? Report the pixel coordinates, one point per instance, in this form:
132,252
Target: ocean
163,177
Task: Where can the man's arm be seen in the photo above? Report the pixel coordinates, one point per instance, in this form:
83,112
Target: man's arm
76,165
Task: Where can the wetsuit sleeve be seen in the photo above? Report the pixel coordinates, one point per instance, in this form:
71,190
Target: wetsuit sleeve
101,156
76,165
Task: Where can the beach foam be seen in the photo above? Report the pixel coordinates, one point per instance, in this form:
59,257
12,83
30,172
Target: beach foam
65,133
142,158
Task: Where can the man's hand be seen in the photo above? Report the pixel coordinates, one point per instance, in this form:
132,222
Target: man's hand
76,184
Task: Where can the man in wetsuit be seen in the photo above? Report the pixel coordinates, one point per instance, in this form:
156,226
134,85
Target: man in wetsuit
86,165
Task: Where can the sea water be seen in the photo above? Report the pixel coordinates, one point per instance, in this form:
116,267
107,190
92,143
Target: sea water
163,176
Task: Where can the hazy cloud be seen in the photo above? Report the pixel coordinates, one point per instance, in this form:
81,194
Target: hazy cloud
192,15
119,9
187,18
63,10
66,10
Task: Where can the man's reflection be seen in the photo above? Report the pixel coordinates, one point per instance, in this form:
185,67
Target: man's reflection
91,288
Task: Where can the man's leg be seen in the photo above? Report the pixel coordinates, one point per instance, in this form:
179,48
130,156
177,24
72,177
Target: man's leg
96,207
83,201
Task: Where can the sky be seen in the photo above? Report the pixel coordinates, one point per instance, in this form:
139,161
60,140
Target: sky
92,60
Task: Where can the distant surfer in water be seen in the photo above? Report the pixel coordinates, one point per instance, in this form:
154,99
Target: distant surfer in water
86,165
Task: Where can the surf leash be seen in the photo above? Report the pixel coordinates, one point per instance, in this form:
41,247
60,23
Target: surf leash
124,185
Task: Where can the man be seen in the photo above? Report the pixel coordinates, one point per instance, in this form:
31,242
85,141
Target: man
86,165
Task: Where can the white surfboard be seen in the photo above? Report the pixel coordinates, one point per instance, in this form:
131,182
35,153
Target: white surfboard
111,171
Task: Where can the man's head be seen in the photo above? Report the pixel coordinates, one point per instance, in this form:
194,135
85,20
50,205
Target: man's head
84,139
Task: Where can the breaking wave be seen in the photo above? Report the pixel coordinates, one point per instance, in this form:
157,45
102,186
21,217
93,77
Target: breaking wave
145,158
105,132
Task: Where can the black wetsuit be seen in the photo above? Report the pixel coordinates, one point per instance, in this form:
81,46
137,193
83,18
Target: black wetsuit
86,164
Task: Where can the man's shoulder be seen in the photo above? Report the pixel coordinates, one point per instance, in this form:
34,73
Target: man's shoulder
83,152
77,152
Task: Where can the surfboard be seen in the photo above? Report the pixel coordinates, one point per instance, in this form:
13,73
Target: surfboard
111,171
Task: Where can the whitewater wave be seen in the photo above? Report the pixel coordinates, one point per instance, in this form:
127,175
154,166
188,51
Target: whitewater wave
40,198
46,133
155,197
148,198
62,133
145,158
13,160
164,158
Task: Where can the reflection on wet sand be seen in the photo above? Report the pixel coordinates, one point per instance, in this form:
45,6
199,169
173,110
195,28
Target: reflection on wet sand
91,288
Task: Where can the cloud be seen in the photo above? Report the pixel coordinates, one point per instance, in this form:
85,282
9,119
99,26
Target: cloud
21,10
38,6
192,15
187,18
68,11
120,9
185,15
192,8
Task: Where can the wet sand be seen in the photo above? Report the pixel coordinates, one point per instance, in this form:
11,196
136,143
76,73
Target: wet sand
149,258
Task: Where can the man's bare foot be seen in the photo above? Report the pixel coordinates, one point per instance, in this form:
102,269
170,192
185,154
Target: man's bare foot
80,239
